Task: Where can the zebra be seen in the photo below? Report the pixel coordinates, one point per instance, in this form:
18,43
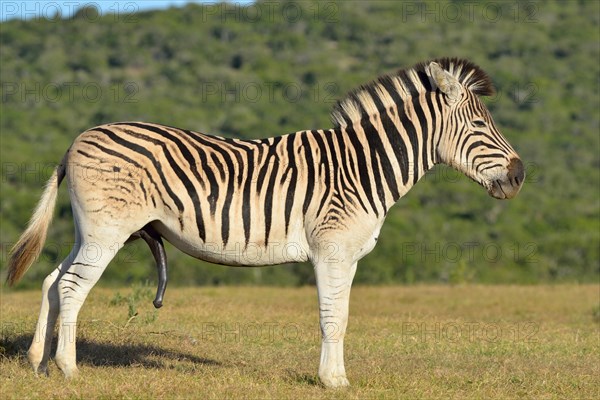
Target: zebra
313,195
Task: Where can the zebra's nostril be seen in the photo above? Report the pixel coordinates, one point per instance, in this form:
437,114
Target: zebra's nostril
516,171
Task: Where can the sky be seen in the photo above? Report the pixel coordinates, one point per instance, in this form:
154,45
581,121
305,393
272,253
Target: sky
27,9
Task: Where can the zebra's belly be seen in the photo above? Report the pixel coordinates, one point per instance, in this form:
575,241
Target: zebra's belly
237,251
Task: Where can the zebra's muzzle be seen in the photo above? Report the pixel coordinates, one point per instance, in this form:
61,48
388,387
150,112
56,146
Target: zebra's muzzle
510,186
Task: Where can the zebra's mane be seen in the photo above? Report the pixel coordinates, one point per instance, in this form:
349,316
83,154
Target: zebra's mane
371,98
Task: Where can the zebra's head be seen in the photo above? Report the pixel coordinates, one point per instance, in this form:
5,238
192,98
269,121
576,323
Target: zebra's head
471,142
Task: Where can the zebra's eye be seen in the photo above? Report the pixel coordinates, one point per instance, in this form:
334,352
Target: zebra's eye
479,123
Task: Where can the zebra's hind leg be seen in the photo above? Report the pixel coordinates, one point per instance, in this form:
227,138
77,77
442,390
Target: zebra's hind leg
73,287
333,285
39,351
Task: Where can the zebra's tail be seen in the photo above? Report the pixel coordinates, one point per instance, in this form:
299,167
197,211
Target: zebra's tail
29,246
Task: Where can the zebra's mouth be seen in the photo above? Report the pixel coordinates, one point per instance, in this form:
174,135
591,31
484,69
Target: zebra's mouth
495,190
506,186
502,190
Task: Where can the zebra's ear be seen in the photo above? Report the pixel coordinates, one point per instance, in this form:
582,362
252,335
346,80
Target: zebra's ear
444,81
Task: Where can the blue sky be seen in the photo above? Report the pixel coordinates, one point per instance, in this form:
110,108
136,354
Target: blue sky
27,9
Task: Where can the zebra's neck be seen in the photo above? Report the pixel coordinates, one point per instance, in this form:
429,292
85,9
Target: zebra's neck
394,149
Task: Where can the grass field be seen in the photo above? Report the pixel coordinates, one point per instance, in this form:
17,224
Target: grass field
245,342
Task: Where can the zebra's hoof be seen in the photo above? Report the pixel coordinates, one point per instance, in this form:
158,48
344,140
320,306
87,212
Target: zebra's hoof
70,372
335,382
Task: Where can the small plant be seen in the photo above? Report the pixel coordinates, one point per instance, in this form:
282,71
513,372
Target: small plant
460,274
139,292
117,299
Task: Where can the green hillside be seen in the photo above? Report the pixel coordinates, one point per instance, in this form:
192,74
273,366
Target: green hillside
278,67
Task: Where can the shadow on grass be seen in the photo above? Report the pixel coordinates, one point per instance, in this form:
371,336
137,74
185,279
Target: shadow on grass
107,354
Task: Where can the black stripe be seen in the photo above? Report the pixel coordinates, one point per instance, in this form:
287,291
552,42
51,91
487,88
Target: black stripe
208,171
335,162
494,165
493,155
291,192
225,210
337,170
70,281
77,275
93,157
432,149
240,161
271,153
395,138
412,137
353,177
424,132
310,173
361,161
478,143
492,139
347,182
218,165
440,107
83,264
424,78
408,83
324,161
268,206
246,208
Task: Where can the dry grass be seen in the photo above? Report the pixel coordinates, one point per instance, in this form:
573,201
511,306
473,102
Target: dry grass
403,342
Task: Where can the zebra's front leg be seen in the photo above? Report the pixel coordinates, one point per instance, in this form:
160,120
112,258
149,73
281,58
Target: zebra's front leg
334,281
